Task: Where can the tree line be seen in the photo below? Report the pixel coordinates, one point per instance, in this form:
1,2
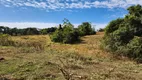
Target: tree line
64,33
25,31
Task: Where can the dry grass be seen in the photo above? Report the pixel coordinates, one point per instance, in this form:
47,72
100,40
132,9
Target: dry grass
82,61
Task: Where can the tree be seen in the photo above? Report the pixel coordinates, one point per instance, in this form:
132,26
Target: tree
135,10
86,29
123,36
31,31
113,25
65,34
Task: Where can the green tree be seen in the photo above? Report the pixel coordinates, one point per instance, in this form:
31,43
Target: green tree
65,33
86,29
123,36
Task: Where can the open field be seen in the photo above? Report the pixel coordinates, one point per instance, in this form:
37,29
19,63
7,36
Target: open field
37,58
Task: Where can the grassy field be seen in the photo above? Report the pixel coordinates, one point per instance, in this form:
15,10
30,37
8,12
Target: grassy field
37,58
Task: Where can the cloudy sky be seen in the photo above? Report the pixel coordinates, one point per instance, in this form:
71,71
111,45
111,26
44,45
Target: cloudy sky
48,13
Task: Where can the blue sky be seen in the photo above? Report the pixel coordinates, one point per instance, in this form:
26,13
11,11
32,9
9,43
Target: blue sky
48,13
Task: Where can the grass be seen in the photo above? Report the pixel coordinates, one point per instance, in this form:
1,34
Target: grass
82,61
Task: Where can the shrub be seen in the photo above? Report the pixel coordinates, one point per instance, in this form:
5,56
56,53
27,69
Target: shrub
57,36
47,30
113,25
66,34
120,35
86,29
71,37
134,49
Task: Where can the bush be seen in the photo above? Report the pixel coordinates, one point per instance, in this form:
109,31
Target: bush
57,36
120,35
47,30
113,25
86,29
134,49
5,40
66,34
71,37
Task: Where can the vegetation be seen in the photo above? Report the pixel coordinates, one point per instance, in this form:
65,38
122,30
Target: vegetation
86,29
30,54
25,31
123,35
5,40
47,30
84,61
66,33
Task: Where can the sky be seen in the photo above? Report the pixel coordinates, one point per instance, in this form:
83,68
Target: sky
50,13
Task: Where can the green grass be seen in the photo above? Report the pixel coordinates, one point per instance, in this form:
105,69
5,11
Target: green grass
83,61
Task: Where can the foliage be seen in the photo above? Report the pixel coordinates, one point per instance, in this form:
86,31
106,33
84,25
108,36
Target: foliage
134,48
65,34
113,25
86,29
31,31
120,34
57,36
25,31
47,30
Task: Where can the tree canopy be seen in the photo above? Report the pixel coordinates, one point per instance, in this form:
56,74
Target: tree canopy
123,35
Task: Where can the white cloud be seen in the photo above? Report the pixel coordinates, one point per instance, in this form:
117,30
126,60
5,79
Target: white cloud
69,4
28,24
43,25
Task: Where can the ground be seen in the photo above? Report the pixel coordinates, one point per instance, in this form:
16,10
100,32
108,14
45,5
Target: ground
37,58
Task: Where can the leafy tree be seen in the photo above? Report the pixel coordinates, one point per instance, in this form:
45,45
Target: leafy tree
86,29
135,10
123,36
31,31
47,30
57,36
14,31
65,34
113,25
44,31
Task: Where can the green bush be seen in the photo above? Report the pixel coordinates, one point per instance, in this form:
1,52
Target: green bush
120,35
65,34
134,48
113,25
57,36
47,30
86,29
